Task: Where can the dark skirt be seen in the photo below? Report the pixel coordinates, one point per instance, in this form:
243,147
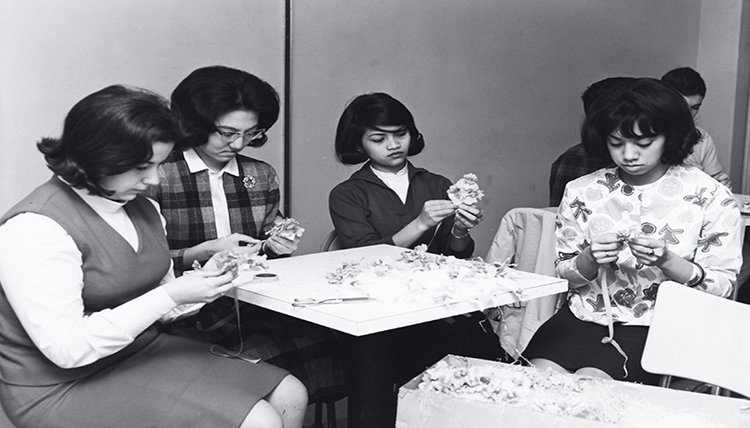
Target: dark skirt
172,382
574,344
312,353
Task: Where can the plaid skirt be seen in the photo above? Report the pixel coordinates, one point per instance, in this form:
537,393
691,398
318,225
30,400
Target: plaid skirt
312,353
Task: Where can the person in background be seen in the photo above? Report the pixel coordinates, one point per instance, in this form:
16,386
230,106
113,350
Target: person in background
575,162
624,230
216,199
691,85
390,201
86,274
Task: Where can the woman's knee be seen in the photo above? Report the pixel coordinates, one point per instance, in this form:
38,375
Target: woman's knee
290,393
263,415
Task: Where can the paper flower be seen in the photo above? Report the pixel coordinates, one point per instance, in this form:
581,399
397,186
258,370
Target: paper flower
287,228
465,191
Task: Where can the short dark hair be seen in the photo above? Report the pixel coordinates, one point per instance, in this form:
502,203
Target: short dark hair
372,111
209,93
596,89
107,133
656,108
686,81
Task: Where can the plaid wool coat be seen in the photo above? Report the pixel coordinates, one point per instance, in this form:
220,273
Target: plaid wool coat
310,352
185,199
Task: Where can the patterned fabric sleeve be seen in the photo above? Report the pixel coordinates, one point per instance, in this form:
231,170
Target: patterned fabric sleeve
718,251
569,245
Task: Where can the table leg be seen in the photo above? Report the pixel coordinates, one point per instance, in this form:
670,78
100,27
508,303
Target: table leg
372,399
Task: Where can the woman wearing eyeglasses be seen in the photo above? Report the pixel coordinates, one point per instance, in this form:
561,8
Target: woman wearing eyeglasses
214,198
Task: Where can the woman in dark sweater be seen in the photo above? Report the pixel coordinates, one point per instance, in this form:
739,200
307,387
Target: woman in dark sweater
390,201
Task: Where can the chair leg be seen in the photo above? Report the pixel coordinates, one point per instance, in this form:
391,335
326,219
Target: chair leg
665,381
331,414
318,415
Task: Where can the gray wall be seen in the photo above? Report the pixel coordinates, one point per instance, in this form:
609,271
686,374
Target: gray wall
494,85
55,52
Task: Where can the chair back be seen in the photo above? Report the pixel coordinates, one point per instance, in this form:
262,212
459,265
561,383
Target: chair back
699,336
526,237
331,242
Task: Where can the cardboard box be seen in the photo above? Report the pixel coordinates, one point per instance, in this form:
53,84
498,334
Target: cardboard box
638,405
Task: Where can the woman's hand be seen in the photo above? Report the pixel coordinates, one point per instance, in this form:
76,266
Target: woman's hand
201,286
433,212
605,248
648,251
237,243
467,217
280,245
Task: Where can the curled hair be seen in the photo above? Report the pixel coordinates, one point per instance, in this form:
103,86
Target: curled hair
372,111
107,133
651,105
209,93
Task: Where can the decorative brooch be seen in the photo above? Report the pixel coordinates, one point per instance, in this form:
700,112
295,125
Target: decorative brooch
249,182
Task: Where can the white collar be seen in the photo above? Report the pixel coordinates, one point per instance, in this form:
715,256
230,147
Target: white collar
99,203
196,164
397,174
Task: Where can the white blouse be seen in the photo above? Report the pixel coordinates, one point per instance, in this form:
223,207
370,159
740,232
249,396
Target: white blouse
396,181
216,182
41,274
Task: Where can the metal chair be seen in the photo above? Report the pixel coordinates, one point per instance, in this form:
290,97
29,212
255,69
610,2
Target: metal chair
332,242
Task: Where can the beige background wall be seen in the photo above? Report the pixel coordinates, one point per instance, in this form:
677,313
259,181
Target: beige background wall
55,52
494,86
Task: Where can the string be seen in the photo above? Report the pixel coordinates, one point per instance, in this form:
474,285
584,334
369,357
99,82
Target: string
221,351
610,323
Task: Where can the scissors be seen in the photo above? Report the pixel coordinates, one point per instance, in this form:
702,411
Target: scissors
308,301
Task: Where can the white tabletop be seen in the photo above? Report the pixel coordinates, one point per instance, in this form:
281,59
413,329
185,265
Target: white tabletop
305,277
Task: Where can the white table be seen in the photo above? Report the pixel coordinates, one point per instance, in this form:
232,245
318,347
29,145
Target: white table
305,276
371,402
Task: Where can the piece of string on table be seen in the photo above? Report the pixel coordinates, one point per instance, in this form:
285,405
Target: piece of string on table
221,351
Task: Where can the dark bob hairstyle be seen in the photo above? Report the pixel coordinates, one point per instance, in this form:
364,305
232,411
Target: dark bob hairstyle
107,133
209,93
657,110
372,111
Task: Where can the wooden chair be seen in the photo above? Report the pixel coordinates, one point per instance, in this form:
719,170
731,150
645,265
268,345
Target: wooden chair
696,335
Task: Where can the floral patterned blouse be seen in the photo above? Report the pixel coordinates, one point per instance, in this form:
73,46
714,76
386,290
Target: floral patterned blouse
692,213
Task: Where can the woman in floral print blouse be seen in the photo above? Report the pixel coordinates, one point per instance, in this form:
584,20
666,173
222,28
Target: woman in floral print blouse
622,231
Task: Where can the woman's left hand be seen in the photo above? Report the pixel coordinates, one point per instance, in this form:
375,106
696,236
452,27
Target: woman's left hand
648,251
281,245
467,217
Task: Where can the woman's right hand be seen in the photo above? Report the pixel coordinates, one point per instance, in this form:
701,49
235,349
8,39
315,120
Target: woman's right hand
237,243
200,286
605,248
433,212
